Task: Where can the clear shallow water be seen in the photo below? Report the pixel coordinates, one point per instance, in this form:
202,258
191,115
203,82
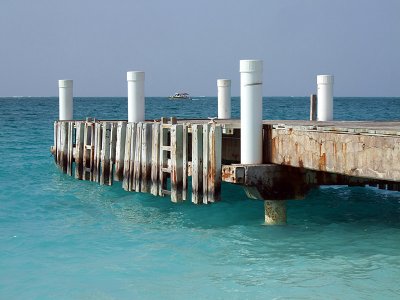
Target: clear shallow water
66,239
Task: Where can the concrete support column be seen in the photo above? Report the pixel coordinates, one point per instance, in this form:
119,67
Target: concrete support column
224,98
66,104
251,72
135,96
275,212
325,97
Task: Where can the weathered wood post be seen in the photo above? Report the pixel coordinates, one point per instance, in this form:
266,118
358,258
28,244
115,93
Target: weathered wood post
325,97
120,151
65,99
224,98
135,96
313,107
197,163
251,73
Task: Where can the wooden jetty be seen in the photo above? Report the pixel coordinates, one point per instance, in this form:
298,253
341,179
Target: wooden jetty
158,157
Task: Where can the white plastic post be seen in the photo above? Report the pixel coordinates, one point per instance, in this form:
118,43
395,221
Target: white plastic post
135,96
251,72
66,104
325,98
224,98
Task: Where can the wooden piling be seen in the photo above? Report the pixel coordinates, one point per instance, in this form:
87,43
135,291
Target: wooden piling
63,146
145,182
105,154
132,155
58,144
206,162
137,173
176,162
165,148
70,147
127,155
120,151
155,159
184,161
87,150
197,163
55,152
313,107
79,149
113,150
214,158
97,152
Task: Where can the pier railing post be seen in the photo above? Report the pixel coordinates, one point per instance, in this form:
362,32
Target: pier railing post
313,107
135,96
224,98
325,97
251,72
65,99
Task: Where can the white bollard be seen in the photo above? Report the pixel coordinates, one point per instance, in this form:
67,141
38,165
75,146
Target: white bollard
135,96
65,98
224,98
251,72
325,98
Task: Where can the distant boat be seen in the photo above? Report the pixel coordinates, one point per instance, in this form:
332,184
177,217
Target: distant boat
180,96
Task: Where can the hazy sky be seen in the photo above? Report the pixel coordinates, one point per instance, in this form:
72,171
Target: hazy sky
185,45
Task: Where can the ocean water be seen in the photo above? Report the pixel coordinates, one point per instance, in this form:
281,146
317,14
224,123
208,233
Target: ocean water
61,238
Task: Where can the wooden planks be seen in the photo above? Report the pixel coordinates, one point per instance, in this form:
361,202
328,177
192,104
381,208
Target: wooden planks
176,162
185,162
149,157
55,152
197,163
113,149
70,147
120,151
80,126
63,134
206,163
164,169
137,168
95,174
88,150
155,159
128,155
105,154
214,160
146,158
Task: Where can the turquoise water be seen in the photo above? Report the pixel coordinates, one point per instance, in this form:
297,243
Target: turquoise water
66,239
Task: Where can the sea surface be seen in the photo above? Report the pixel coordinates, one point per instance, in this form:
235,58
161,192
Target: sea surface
61,238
